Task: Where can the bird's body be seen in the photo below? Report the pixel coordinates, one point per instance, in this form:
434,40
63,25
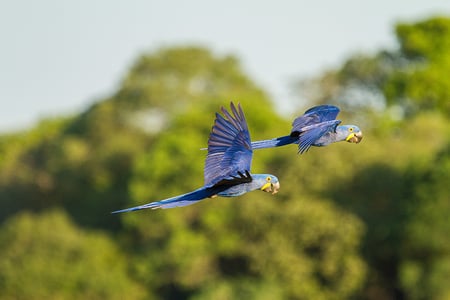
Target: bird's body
317,127
227,165
258,182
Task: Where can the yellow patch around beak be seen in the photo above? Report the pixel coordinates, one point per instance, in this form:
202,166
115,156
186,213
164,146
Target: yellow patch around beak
265,186
354,137
350,136
270,187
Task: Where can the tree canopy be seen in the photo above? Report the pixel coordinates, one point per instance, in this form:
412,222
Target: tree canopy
350,222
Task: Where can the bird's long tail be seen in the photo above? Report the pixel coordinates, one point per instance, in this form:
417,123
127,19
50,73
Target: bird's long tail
182,200
276,142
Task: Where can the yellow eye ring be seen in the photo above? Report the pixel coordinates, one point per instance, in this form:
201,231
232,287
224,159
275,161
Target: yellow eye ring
350,129
268,178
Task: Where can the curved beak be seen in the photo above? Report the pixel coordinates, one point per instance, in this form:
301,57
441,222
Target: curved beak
354,137
271,187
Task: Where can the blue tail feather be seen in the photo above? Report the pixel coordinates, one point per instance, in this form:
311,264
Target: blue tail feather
181,200
276,142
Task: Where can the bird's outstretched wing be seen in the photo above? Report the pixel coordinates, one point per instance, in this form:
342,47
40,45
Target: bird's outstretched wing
229,149
314,115
310,134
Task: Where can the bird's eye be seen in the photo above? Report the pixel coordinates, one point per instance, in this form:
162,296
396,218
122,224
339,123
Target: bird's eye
268,178
350,129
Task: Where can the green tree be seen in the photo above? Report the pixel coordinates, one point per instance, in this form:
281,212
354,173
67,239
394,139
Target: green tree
84,164
398,180
423,81
351,221
399,194
412,77
243,247
425,265
47,257
143,144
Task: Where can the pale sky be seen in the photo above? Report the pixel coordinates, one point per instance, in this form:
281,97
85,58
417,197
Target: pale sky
57,56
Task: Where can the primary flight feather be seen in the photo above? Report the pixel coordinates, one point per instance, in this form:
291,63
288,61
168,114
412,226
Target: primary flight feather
316,127
227,165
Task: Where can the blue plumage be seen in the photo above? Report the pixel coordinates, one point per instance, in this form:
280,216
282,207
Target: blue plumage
316,127
227,165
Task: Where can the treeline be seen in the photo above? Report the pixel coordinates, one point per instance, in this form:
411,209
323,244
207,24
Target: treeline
366,221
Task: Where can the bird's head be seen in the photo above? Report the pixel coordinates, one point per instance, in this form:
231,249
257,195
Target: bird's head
350,133
269,183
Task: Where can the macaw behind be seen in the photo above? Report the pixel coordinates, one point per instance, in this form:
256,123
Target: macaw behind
317,127
227,165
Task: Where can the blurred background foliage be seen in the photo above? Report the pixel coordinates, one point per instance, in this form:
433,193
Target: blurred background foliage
350,222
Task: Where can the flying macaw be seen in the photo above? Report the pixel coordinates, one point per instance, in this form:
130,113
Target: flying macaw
227,165
317,127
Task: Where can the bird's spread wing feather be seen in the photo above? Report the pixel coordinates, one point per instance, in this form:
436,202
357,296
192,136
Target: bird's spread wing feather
314,115
310,134
229,149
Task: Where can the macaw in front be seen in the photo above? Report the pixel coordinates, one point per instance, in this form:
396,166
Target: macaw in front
227,165
317,127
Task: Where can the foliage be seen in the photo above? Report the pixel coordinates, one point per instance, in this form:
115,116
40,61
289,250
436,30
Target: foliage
399,190
46,256
414,77
425,264
424,79
366,221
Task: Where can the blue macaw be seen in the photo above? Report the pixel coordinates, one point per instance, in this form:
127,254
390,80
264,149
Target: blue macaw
227,165
317,127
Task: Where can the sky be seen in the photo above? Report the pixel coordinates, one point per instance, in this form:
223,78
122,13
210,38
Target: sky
58,56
